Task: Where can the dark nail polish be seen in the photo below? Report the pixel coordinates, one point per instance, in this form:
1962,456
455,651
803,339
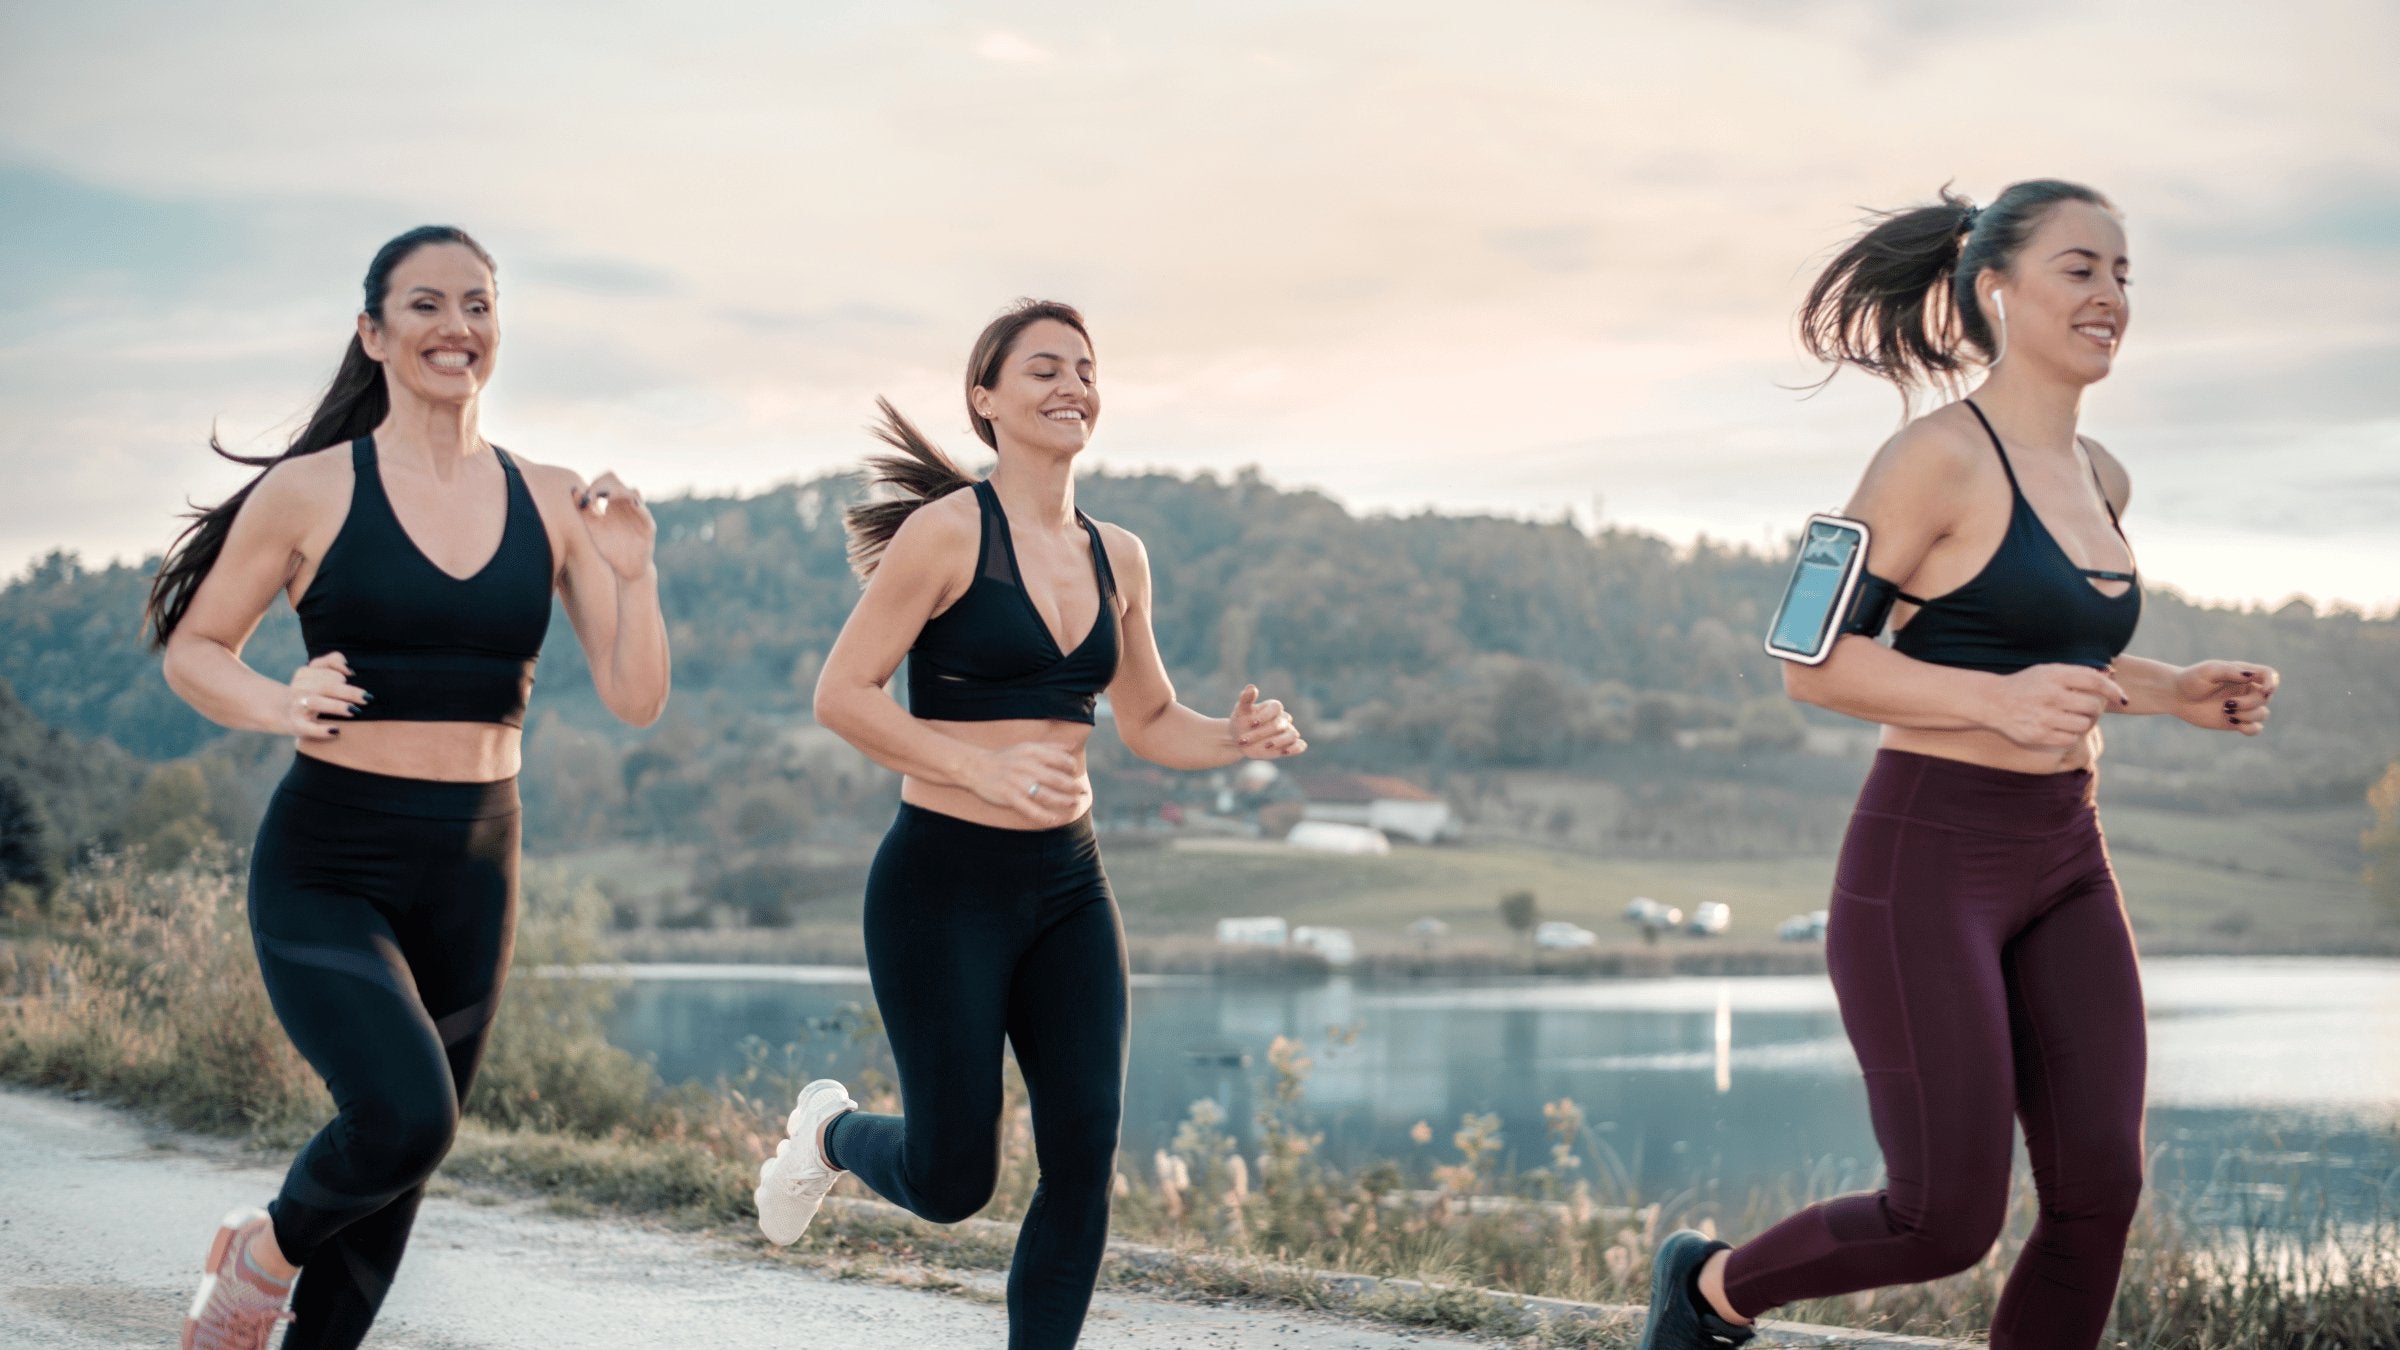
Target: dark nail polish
336,731
365,698
2229,705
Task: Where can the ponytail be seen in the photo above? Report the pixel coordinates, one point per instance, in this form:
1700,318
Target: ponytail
920,471
353,405
1899,301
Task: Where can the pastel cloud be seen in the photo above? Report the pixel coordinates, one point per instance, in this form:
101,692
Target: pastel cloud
1511,257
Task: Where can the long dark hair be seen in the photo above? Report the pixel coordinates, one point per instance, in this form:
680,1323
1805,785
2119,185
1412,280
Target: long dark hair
1899,301
921,471
354,404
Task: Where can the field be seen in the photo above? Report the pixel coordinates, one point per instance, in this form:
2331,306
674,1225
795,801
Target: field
2282,881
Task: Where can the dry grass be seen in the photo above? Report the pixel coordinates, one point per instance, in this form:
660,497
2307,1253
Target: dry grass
147,994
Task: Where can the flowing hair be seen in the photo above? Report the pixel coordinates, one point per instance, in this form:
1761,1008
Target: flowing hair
1899,301
354,404
921,471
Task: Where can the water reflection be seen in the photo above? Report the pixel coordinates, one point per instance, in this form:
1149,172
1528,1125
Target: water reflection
2258,1067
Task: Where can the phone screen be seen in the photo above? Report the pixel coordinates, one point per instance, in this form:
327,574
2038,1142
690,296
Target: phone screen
1818,584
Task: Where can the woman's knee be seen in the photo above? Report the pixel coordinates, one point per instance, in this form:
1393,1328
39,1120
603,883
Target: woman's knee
2103,1186
953,1196
1953,1236
1079,1142
404,1139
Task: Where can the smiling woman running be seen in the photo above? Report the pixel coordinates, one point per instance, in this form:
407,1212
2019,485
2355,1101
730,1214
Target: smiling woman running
1978,947
987,914
421,560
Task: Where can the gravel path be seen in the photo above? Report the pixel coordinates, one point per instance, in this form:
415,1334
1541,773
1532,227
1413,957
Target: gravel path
105,1221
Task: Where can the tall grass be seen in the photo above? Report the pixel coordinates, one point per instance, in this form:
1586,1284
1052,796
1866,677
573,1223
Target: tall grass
144,991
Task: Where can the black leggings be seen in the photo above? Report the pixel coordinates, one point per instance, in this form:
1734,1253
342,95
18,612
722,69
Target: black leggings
974,933
382,909
1984,968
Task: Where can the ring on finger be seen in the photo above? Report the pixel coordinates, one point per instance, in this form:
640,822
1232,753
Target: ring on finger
1033,789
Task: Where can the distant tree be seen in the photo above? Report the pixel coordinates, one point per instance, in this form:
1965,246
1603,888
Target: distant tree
27,861
2381,843
1655,718
169,818
1770,724
1520,911
1534,721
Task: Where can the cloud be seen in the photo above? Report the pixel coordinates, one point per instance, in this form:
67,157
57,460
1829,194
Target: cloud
1009,49
1495,257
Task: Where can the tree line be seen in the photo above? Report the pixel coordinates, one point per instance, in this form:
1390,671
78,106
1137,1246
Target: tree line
1427,643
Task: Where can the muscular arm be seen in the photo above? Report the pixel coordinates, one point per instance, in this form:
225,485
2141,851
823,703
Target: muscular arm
609,585
1142,697
1908,500
262,553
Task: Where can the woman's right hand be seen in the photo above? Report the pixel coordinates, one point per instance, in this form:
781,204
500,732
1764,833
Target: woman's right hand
1036,779
320,690
2051,707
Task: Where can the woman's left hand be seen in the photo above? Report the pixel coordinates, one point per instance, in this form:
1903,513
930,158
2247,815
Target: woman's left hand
2226,695
618,525
1264,730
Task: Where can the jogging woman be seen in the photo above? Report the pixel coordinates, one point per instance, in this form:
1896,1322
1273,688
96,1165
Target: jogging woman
1978,946
987,913
421,560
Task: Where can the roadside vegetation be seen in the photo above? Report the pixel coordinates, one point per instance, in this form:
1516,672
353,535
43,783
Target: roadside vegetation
138,986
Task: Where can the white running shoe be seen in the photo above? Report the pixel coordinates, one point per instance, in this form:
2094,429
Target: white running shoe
793,1183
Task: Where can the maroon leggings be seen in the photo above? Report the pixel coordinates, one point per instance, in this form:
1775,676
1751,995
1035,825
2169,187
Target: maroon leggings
1984,968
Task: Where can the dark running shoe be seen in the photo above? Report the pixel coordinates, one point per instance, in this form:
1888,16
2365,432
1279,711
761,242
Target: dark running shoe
1674,1324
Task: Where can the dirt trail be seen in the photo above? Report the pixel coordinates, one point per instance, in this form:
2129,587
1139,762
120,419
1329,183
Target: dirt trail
105,1220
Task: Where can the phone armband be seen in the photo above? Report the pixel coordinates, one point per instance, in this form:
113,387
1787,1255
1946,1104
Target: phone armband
1816,608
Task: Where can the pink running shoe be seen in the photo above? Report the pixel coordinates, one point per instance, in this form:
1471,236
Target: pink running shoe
238,1306
793,1183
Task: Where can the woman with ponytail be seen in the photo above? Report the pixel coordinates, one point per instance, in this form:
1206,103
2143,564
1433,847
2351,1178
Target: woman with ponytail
421,560
1979,948
988,917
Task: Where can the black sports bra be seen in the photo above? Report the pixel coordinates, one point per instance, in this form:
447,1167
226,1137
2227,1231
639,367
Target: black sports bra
430,647
2030,605
989,656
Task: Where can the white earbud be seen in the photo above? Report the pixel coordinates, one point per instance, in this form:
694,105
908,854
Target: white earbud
2000,310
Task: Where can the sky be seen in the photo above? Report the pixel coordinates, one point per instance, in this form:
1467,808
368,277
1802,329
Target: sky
1524,257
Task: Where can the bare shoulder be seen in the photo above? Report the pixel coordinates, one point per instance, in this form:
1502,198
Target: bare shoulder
1126,554
1944,443
945,530
301,491
547,482
2115,480
1926,461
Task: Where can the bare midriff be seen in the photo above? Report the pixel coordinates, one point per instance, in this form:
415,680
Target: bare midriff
445,752
1993,750
965,805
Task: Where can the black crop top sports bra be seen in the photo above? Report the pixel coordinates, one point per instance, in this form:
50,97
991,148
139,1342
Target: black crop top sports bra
430,647
2030,605
989,656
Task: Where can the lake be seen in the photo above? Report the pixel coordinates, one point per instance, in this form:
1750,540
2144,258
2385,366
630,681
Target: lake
2262,1071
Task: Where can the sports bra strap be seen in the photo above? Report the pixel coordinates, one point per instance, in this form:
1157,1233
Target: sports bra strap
2005,466
2105,503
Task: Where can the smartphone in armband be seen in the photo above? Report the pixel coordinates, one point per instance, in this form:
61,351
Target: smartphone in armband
1825,579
